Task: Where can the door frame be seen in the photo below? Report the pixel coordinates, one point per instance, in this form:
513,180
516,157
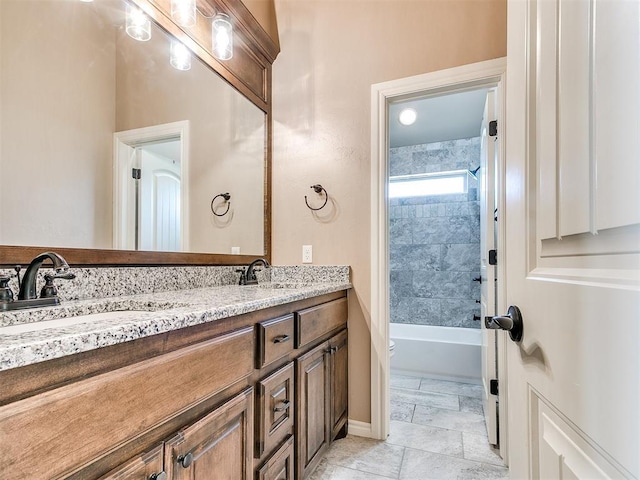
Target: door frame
121,167
487,74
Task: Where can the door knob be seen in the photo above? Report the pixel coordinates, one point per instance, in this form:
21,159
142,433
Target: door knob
512,322
158,476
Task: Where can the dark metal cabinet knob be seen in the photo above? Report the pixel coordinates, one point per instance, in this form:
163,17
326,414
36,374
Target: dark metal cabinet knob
511,322
186,460
158,476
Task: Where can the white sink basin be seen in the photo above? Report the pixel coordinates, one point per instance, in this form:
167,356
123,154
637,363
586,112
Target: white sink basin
67,322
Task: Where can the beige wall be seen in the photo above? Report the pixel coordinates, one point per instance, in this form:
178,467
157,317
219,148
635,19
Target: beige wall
331,54
57,119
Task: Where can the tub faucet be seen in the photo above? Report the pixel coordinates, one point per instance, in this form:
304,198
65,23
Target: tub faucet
28,285
250,275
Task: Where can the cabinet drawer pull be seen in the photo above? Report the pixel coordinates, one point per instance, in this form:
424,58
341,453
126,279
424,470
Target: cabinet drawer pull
186,460
158,476
281,339
283,406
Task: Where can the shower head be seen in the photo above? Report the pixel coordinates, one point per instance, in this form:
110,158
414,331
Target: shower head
473,173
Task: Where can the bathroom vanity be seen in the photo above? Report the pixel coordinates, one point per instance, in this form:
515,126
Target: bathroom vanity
228,382
223,382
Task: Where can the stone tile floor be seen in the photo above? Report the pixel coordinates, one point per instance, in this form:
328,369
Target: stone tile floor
437,432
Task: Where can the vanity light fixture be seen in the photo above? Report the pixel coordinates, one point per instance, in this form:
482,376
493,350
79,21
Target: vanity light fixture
138,25
183,12
407,116
222,37
180,56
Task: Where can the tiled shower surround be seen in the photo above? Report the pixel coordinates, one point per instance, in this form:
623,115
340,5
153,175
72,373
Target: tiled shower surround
435,240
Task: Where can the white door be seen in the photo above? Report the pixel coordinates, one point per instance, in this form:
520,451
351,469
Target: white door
573,242
486,176
159,218
152,213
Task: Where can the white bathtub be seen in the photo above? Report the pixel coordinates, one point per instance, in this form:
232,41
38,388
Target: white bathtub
445,353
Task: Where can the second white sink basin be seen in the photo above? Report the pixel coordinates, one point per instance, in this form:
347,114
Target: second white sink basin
68,321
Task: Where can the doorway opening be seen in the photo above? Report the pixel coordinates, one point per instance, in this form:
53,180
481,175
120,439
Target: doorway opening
426,252
151,167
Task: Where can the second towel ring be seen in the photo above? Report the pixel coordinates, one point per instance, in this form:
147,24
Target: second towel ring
318,189
227,198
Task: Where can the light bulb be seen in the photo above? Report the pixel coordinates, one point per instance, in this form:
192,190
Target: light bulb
407,116
222,36
180,56
138,24
183,12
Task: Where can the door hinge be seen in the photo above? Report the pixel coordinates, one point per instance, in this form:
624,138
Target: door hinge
493,387
493,128
493,257
136,173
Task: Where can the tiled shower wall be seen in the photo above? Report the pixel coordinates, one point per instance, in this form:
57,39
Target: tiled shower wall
435,240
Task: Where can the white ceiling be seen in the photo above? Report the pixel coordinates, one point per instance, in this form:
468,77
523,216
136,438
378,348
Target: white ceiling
445,117
168,149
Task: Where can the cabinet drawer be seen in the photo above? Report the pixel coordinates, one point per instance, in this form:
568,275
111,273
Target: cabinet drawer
275,339
312,323
275,410
280,465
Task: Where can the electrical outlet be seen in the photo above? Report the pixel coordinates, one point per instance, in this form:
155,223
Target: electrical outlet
307,254
235,250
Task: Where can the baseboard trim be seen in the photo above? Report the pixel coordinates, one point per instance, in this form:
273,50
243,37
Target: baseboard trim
360,429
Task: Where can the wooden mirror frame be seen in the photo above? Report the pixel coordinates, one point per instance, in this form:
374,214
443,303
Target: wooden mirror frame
249,72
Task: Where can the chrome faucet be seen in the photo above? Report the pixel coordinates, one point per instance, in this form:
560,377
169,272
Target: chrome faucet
28,285
250,275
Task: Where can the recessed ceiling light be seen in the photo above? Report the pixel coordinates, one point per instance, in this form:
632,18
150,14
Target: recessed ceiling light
407,116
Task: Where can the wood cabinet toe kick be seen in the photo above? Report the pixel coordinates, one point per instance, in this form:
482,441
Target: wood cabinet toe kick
224,403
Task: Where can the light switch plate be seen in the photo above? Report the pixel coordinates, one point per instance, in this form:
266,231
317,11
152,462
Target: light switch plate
307,254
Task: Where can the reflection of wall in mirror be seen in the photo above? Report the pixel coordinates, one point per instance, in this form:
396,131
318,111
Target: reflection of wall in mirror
57,120
59,78
157,94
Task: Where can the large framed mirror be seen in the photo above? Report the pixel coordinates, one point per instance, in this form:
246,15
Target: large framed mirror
122,149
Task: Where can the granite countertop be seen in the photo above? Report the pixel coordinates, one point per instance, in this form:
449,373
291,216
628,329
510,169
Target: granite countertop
154,313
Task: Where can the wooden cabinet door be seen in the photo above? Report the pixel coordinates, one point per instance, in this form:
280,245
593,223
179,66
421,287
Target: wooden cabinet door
217,446
147,466
312,414
339,392
280,465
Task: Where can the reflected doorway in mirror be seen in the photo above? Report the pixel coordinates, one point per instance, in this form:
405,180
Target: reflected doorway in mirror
151,201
